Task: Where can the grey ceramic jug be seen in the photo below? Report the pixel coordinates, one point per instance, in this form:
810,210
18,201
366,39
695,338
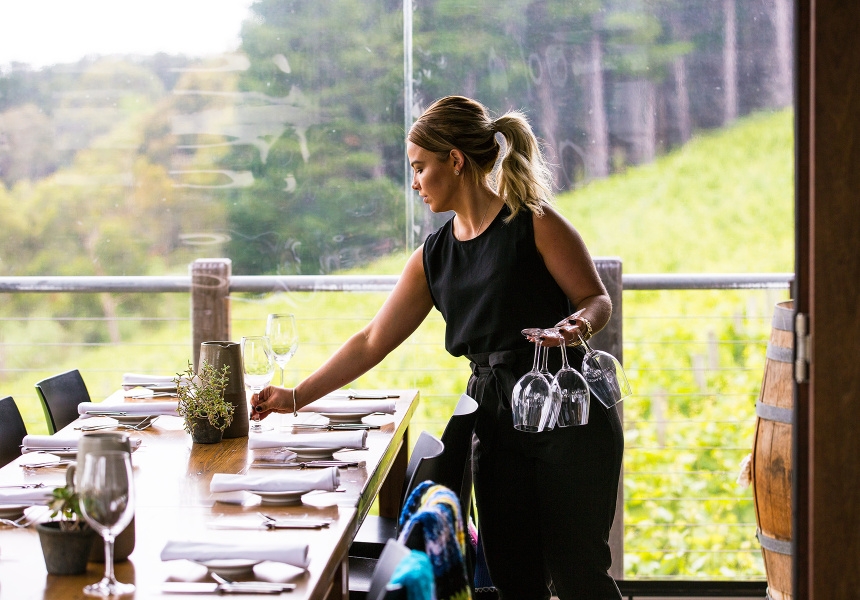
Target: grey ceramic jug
219,354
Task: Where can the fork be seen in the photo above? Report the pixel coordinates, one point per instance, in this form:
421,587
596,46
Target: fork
144,424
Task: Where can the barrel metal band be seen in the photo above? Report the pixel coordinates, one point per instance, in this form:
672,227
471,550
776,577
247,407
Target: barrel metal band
770,412
773,544
780,354
783,318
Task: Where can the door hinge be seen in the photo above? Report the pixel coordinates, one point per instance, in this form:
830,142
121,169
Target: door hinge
801,339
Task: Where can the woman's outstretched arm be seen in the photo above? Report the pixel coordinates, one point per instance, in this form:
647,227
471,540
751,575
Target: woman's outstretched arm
401,314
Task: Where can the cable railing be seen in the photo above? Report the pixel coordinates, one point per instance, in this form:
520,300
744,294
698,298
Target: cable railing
687,427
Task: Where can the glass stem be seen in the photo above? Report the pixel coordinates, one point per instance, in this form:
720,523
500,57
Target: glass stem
282,375
109,576
536,365
564,364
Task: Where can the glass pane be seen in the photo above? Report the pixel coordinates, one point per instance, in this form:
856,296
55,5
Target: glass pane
269,132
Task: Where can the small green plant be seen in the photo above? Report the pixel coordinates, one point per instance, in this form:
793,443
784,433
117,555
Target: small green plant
66,509
201,396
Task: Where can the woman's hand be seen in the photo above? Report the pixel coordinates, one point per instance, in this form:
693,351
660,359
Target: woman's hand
575,328
272,399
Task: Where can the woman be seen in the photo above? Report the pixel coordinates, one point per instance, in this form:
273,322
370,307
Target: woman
504,262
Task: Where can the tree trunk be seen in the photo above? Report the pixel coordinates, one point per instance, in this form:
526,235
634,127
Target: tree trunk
730,62
597,150
782,84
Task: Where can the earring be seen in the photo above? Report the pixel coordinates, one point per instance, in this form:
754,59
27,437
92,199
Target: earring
456,171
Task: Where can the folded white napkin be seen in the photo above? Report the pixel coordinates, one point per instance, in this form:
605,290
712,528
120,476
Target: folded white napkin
59,441
29,496
166,407
303,481
328,439
138,378
349,406
291,554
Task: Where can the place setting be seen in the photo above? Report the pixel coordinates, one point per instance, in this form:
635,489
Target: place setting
280,488
229,560
58,446
15,500
309,445
350,408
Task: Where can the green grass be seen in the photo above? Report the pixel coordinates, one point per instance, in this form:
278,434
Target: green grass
722,203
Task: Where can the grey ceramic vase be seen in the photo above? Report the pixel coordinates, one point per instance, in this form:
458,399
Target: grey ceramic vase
219,354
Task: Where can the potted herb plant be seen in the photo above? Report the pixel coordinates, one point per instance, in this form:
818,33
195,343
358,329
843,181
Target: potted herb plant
66,539
202,403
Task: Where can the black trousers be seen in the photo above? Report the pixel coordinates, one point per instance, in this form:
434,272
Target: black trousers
545,501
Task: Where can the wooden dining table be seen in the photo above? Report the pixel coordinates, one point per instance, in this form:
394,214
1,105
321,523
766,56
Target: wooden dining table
173,502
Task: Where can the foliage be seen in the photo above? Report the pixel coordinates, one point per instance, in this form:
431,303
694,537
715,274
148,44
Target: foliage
66,505
201,396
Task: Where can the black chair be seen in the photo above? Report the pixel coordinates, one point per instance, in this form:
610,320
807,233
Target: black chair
12,431
452,469
375,532
380,588
60,396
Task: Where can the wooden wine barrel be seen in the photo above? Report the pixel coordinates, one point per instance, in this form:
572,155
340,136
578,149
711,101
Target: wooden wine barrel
771,457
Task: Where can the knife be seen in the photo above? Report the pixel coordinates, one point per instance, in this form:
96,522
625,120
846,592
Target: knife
276,524
339,427
372,396
240,587
311,464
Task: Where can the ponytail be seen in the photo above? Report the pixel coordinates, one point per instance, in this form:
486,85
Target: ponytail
524,179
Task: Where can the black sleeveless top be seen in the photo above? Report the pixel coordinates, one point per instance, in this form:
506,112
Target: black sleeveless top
490,288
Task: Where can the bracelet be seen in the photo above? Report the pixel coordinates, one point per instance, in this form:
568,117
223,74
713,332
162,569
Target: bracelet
295,404
588,333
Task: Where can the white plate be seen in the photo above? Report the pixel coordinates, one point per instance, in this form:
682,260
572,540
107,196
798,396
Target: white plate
340,418
229,567
314,453
12,511
293,497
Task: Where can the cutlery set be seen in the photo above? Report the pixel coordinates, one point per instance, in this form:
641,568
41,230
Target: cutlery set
145,423
310,464
336,427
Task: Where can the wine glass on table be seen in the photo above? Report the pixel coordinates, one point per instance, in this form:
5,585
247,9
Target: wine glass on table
532,400
106,492
282,332
258,365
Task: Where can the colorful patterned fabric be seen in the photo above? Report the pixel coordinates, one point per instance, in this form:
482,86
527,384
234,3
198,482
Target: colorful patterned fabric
432,514
415,573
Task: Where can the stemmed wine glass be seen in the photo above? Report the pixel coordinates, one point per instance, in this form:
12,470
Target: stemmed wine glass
282,332
258,364
572,390
532,400
106,491
605,376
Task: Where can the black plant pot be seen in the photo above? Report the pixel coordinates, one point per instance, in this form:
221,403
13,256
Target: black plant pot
203,432
65,552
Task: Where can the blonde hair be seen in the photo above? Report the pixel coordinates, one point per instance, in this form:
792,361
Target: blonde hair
524,179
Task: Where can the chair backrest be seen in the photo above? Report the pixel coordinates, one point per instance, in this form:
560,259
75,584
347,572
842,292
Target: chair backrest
12,431
391,555
60,395
455,470
423,462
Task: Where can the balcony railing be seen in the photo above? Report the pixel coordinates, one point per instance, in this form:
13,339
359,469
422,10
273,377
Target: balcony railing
652,432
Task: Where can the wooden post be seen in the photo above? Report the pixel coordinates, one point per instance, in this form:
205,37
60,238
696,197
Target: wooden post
610,339
210,303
